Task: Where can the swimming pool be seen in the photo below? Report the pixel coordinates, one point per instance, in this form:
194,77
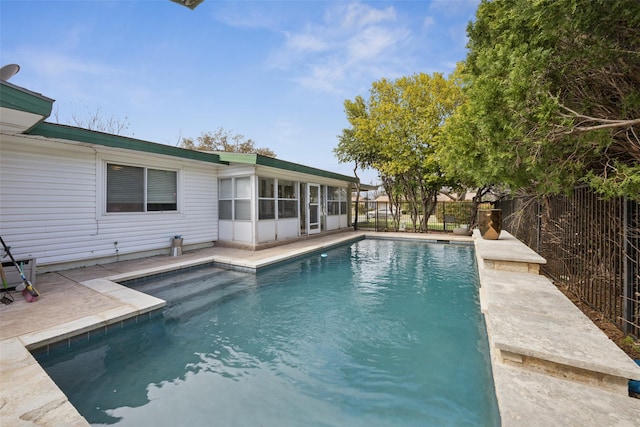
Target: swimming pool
376,333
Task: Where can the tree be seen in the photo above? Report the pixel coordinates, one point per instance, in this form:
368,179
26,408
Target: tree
97,121
553,97
396,132
223,140
350,149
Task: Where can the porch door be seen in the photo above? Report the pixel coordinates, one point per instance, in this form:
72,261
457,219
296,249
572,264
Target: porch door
313,212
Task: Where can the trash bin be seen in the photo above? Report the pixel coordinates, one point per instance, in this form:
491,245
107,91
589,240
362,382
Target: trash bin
176,246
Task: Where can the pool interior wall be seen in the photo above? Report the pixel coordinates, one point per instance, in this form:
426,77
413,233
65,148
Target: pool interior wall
314,261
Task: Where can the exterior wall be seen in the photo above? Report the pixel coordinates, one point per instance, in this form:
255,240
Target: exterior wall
334,222
266,231
288,228
237,231
53,202
243,231
282,229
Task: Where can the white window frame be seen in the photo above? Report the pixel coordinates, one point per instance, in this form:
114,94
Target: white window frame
263,198
341,201
104,186
291,200
235,198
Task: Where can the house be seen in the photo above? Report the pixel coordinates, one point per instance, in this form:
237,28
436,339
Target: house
447,196
71,196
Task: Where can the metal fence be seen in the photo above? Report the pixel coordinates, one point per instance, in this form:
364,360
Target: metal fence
381,216
591,245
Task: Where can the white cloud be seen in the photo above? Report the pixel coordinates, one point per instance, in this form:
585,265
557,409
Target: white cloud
55,64
235,14
352,40
324,76
307,43
357,15
372,42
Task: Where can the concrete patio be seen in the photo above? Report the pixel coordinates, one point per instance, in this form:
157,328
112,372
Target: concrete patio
551,364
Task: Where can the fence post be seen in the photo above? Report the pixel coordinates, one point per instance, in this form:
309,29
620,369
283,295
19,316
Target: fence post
539,226
627,274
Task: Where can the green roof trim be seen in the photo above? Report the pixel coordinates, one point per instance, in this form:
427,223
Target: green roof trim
17,98
52,130
257,159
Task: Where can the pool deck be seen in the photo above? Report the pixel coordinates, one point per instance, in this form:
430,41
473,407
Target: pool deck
551,364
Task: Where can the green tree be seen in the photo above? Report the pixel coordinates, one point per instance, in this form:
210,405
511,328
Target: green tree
223,140
553,97
396,131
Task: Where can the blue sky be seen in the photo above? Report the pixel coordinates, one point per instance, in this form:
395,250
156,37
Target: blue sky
277,72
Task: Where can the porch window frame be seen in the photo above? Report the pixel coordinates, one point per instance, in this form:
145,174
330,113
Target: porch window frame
286,201
239,197
266,198
336,200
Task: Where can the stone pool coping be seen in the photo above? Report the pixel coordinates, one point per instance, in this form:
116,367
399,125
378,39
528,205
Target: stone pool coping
551,364
29,397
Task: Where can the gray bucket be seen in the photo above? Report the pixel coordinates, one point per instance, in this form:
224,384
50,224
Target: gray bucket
176,246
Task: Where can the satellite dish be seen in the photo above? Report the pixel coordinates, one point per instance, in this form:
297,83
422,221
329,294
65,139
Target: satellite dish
8,71
191,4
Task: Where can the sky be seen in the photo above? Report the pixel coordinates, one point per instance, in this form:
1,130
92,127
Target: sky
276,72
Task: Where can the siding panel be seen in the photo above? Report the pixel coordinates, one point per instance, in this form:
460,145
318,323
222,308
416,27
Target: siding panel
51,197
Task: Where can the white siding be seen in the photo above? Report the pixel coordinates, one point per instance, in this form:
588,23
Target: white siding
52,208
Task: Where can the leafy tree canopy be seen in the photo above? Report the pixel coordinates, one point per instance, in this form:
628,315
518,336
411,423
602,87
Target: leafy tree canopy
223,140
553,97
397,130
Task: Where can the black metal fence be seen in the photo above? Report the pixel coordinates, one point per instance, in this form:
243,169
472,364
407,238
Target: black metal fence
381,216
592,245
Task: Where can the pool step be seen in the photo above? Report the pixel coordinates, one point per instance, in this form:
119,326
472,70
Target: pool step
195,303
157,285
192,292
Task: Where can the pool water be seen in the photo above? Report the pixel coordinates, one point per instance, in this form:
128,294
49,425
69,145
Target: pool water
376,333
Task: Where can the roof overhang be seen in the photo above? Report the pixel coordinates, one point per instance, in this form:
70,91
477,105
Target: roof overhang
366,187
85,136
257,159
21,109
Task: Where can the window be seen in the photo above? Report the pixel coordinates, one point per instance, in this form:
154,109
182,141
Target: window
225,198
242,195
287,199
139,189
234,200
336,201
161,190
266,198
343,201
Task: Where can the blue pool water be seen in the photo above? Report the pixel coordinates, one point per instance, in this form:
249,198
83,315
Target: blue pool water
377,333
